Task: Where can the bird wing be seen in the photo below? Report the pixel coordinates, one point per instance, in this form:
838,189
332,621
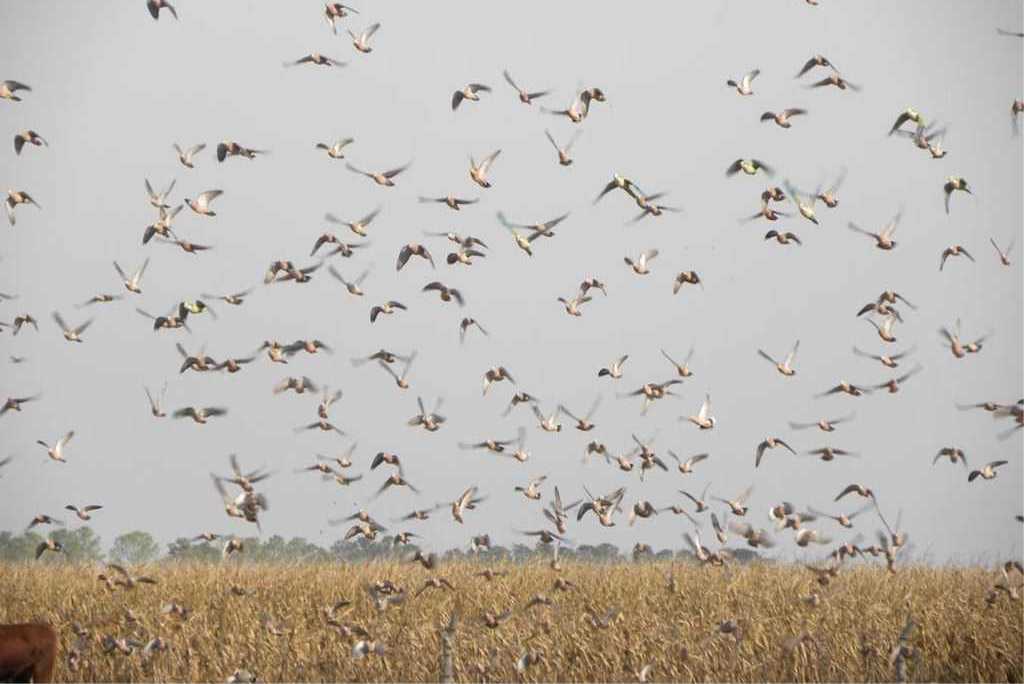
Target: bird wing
792,353
508,78
485,165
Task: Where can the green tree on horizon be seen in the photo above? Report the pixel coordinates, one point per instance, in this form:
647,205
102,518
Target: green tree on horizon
133,548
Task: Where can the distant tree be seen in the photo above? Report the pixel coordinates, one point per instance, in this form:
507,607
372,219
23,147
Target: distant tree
685,556
270,551
586,553
277,549
568,554
184,551
456,555
606,553
745,555
299,550
134,547
338,549
360,549
81,545
521,553
20,548
493,554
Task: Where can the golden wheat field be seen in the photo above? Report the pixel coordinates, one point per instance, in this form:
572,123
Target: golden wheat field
687,623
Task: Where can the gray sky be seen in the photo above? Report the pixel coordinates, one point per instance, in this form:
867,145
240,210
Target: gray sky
123,88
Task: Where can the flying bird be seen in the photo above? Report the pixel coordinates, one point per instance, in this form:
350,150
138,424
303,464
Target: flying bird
317,59
525,96
744,85
361,40
9,88
29,137
15,198
816,61
478,172
563,152
749,167
187,155
154,7
383,178
785,367
782,119
469,92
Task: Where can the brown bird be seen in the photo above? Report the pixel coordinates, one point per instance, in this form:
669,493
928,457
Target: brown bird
954,455
453,203
435,583
359,227
770,443
524,96
859,490
229,148
395,480
887,360
478,172
563,152
361,41
846,388
9,88
354,286
16,197
200,415
885,329
447,293
83,513
30,137
883,239
14,403
893,385
782,237
955,250
952,184
829,453
468,92
1004,256
686,277
384,178
127,580
43,519
48,544
816,61
387,308
333,11
987,471
429,561
154,7
410,250
71,334
837,81
318,59
738,505
782,118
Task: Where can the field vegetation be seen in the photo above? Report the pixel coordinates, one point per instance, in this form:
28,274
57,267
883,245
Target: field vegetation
652,621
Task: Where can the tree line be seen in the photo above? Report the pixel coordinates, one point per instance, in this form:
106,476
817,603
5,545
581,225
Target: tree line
82,545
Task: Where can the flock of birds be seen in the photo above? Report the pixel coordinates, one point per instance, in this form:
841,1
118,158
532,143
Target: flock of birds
726,512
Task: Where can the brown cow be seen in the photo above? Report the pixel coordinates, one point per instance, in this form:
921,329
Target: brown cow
27,653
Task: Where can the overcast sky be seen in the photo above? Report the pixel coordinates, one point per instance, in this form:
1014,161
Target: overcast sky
121,89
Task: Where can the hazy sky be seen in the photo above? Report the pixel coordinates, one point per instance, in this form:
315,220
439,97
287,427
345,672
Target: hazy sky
121,89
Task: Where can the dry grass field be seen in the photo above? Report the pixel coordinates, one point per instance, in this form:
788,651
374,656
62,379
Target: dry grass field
688,623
